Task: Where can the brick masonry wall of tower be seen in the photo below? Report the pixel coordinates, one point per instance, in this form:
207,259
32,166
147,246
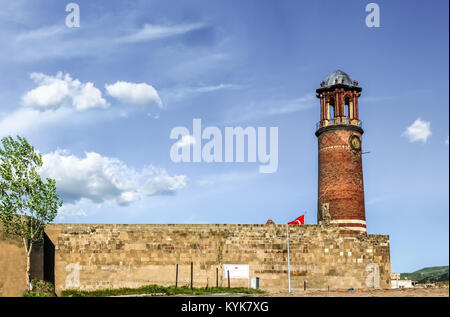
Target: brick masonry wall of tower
109,256
340,181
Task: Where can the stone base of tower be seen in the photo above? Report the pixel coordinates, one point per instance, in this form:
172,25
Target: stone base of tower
89,257
350,226
347,226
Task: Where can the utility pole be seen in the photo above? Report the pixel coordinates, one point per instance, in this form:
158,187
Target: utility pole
288,260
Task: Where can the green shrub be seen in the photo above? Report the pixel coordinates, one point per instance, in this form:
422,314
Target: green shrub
41,288
35,294
73,293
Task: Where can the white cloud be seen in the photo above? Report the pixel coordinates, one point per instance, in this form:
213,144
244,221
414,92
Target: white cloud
153,115
70,210
59,101
180,93
214,88
270,108
42,33
27,121
418,131
151,32
289,106
193,65
232,177
186,140
446,140
99,178
62,90
139,94
96,38
377,199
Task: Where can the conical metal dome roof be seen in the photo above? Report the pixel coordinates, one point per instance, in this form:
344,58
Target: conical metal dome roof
338,77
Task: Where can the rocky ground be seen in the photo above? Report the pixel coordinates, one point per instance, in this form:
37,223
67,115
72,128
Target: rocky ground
414,292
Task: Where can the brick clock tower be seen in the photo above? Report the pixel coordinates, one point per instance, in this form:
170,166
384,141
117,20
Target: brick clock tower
341,188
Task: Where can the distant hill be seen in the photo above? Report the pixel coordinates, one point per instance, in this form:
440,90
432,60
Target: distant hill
428,274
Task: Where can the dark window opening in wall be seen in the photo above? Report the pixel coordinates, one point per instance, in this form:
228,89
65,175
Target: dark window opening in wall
49,260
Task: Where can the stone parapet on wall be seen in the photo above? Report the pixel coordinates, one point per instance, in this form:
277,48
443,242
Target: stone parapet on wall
110,255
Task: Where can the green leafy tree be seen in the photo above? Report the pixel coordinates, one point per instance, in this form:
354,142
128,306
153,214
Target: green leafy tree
27,203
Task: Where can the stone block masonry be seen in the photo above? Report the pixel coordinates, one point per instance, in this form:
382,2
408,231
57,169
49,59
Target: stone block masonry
101,256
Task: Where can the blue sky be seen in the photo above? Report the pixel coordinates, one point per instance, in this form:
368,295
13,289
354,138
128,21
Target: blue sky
74,93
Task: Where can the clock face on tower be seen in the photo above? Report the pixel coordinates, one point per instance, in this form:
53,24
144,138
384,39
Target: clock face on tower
355,142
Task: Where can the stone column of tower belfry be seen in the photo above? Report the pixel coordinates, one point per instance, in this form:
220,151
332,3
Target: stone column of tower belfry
340,182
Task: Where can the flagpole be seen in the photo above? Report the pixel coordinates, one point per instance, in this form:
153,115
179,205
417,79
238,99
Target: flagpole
288,260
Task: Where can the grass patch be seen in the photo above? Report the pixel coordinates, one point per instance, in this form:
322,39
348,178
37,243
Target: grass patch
40,288
156,289
36,294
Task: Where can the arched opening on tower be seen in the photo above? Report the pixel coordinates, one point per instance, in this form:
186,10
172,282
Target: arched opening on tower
348,111
331,109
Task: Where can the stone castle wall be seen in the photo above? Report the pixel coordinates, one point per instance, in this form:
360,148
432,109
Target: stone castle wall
109,256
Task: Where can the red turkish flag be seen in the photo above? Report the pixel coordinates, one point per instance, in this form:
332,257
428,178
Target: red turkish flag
299,221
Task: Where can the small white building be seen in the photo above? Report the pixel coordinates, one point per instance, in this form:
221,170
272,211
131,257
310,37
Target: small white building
396,282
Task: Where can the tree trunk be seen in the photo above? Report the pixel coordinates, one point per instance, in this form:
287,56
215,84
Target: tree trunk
28,273
28,248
